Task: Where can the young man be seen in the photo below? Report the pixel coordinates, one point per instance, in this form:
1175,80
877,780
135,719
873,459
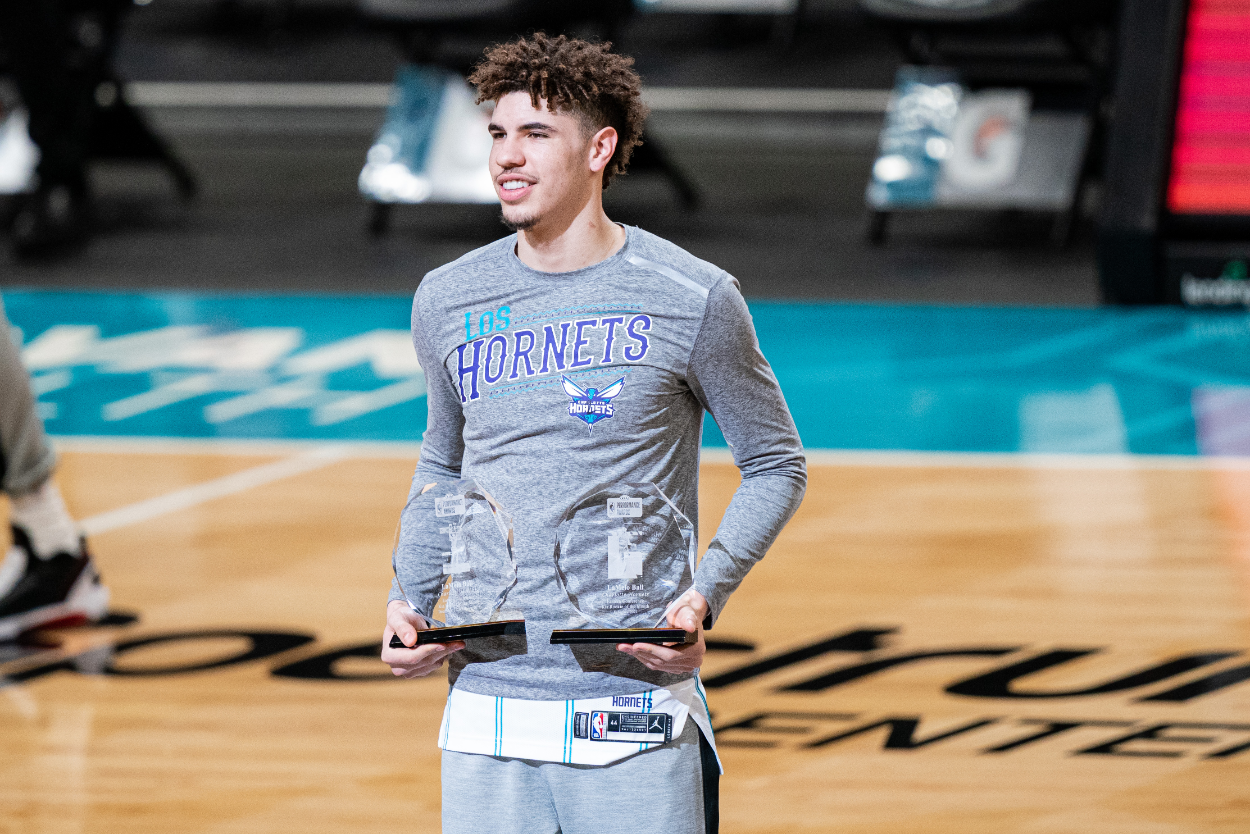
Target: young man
573,296
47,576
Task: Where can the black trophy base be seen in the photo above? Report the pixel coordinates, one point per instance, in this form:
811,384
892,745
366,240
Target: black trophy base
623,635
451,634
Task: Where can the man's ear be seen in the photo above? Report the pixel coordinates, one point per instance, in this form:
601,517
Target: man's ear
602,146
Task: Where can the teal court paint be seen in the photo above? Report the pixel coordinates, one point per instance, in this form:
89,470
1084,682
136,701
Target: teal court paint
857,376
183,365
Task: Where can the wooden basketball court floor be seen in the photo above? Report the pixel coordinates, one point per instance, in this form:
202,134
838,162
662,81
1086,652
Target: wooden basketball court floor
937,643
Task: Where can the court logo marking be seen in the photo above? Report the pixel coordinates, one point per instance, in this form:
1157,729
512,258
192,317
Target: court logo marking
755,721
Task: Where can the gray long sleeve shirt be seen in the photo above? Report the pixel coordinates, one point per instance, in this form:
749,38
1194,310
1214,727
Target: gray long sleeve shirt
496,337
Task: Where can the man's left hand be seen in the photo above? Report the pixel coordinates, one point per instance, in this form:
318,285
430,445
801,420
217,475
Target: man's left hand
676,658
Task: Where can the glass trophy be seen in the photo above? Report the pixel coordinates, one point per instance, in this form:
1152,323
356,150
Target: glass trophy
624,554
454,564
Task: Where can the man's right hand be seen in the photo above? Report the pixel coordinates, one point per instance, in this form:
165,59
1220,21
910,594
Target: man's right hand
416,662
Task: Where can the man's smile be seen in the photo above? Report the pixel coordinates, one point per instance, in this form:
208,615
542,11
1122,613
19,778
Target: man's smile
514,188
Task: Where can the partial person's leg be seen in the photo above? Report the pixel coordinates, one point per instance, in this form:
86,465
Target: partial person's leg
56,50
26,457
491,795
660,791
47,575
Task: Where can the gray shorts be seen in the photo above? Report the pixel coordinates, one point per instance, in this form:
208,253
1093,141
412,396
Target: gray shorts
26,457
673,788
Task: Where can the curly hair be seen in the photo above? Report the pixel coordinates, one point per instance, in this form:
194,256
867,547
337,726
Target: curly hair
599,87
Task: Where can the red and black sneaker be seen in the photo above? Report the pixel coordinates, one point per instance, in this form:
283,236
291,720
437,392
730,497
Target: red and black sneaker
38,592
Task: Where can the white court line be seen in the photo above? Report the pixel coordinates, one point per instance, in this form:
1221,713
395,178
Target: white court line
121,444
765,100
815,457
256,94
374,96
1001,460
191,496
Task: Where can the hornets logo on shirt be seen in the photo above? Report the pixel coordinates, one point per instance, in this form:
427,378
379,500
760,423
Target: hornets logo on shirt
505,361
591,405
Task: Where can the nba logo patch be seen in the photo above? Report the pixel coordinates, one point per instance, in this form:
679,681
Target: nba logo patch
629,727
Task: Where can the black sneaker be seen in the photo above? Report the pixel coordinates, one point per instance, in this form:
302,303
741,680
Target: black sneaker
36,593
51,221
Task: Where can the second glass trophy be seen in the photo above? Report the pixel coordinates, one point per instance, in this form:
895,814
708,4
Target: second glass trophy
454,564
624,554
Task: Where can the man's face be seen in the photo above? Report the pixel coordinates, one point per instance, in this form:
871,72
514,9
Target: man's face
540,161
